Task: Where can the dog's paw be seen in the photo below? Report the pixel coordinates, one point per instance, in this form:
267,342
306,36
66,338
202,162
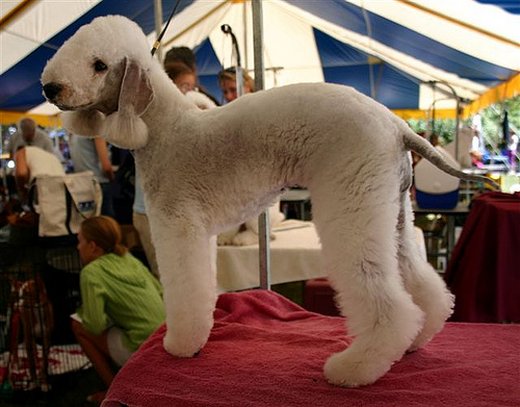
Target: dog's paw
183,349
434,321
185,340
349,369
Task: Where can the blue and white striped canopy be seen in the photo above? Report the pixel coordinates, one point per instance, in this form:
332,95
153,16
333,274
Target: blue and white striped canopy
391,50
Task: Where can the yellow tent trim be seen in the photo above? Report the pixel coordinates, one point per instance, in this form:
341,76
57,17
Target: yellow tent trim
7,118
15,13
505,90
425,114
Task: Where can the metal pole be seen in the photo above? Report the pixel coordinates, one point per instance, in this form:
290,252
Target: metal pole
258,44
158,24
457,122
263,219
239,75
246,50
457,114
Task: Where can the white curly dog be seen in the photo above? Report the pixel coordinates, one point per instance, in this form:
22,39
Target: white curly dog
204,171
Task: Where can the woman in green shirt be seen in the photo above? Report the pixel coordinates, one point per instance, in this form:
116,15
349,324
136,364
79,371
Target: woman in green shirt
121,300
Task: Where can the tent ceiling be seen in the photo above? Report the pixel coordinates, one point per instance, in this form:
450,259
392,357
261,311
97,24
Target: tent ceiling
388,49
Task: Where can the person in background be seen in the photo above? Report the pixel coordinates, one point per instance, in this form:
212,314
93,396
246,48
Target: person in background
91,154
512,147
181,54
121,300
141,224
182,76
32,162
475,151
185,56
179,64
29,134
227,79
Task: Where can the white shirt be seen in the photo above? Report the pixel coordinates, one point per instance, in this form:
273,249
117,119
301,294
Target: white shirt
40,162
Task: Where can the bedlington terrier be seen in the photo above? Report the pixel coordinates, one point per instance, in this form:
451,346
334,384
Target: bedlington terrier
204,171
246,233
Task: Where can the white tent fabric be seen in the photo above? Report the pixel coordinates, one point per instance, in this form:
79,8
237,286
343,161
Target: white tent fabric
478,44
39,23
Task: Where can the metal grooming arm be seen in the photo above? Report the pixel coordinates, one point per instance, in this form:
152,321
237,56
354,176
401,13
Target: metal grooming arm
263,219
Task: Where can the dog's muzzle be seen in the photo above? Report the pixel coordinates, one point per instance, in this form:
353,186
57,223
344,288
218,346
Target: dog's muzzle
51,90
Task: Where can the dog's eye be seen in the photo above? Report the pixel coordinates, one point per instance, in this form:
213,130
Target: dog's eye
100,66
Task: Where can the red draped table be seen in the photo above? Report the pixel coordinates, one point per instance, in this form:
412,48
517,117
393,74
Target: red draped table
484,270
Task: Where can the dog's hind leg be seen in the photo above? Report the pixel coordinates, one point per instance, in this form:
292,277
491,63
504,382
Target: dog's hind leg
359,249
427,288
187,269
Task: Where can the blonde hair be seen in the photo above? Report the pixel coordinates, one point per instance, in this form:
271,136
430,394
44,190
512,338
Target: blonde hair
105,232
230,74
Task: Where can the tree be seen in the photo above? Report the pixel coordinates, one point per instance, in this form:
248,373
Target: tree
493,117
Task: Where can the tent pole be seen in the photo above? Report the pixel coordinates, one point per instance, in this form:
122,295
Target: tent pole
258,44
263,219
244,22
158,13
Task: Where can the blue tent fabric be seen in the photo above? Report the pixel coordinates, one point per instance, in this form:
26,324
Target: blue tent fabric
20,88
511,6
407,41
208,67
347,66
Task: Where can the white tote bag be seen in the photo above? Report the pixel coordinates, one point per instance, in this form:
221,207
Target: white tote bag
63,202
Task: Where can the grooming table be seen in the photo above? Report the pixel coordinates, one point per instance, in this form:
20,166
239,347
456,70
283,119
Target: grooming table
266,351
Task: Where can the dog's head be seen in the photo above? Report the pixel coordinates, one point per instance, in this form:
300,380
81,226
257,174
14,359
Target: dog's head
100,76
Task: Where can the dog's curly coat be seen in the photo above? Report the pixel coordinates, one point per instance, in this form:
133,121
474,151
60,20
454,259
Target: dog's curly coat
204,171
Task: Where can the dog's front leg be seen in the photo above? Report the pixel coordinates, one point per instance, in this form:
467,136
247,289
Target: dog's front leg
187,268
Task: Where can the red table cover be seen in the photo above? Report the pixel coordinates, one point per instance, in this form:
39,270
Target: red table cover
484,269
266,351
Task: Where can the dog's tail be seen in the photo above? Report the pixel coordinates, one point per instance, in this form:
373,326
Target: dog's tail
424,148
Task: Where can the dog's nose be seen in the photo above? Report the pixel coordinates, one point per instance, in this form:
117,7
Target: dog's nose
51,90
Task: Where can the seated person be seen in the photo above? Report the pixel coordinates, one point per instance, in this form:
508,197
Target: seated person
121,300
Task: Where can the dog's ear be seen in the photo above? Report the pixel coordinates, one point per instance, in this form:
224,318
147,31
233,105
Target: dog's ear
136,91
84,122
125,128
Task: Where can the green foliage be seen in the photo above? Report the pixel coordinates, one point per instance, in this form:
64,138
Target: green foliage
492,118
445,128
